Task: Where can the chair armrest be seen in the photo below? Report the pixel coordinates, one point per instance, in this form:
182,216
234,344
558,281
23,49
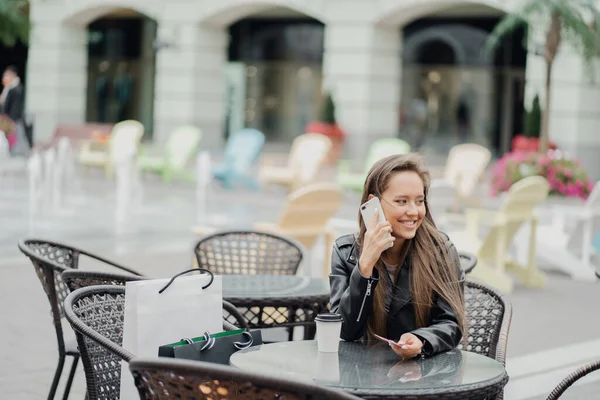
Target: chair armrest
572,378
111,263
474,218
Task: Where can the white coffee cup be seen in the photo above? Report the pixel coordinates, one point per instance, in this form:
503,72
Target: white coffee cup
328,368
329,327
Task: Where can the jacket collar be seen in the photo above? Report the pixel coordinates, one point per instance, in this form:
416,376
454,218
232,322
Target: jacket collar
353,254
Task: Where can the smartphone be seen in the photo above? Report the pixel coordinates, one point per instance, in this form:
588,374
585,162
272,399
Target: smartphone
368,209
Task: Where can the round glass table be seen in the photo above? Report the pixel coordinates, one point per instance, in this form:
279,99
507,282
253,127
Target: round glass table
248,288
267,301
374,370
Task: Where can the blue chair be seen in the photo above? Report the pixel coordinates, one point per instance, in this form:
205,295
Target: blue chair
242,150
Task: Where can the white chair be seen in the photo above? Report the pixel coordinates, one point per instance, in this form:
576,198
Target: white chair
124,134
465,166
517,209
307,155
568,248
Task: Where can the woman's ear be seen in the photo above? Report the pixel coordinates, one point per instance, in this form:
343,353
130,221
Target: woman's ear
370,197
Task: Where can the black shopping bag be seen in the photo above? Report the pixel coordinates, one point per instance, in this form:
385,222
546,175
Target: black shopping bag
216,348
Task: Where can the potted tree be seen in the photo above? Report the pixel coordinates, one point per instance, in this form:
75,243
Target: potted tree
529,140
327,125
566,21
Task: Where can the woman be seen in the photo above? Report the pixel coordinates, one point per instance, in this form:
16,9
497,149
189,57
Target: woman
411,293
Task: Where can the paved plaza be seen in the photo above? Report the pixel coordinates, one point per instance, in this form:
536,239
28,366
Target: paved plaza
554,330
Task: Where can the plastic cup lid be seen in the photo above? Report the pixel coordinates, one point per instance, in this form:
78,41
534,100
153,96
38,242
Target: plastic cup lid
329,317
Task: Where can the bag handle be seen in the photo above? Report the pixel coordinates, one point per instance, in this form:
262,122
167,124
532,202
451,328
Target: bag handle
242,345
212,278
210,341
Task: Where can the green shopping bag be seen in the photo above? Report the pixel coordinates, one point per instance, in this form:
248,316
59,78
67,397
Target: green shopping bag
217,348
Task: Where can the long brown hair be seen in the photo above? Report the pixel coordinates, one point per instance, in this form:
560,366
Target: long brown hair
432,272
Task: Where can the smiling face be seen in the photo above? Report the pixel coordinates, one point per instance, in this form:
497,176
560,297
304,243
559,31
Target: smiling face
403,203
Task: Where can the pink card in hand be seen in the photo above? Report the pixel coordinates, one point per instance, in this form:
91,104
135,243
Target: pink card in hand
390,341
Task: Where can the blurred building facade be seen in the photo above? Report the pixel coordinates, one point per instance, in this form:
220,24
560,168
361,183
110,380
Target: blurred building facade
395,67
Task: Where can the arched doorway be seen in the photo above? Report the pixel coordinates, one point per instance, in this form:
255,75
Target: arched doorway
274,72
451,90
121,68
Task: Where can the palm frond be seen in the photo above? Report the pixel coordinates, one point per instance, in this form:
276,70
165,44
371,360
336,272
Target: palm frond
14,23
532,9
578,31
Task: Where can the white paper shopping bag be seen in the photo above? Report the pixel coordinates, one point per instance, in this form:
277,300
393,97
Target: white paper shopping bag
188,306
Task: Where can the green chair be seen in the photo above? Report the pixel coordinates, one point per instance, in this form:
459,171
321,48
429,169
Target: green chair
378,150
181,146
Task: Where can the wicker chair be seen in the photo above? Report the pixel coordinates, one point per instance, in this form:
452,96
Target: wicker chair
488,314
50,259
200,381
75,279
248,253
572,378
468,261
96,314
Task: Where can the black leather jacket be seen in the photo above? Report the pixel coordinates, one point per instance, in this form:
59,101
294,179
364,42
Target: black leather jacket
15,103
352,297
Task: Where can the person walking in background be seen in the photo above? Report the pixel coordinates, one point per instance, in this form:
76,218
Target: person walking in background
419,114
463,119
12,103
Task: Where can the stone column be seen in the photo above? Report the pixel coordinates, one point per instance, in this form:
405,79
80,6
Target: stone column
362,69
190,87
56,74
574,115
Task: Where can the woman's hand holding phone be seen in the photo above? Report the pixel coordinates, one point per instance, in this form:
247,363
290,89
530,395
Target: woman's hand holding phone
377,239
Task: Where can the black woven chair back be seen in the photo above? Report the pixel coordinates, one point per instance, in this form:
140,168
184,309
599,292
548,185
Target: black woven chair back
75,279
573,377
50,260
179,379
488,314
96,314
248,253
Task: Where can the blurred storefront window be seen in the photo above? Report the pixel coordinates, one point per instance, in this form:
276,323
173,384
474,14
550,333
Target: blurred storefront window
283,61
453,92
121,69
